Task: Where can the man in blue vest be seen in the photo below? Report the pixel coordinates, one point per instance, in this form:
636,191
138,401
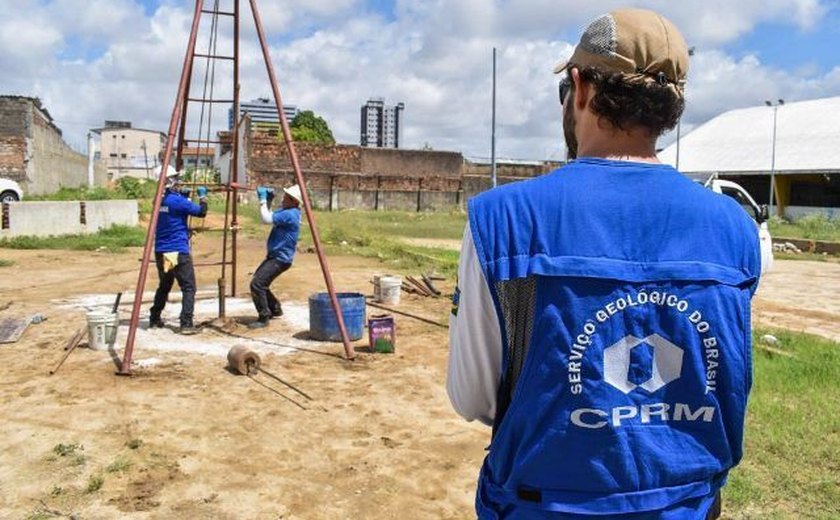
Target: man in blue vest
601,323
281,245
172,250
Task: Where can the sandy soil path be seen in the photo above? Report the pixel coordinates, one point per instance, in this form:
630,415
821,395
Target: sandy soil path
378,439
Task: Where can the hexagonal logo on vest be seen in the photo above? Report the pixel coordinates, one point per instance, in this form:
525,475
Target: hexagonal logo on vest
626,367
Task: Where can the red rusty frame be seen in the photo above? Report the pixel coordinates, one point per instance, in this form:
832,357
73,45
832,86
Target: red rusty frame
125,364
287,136
179,112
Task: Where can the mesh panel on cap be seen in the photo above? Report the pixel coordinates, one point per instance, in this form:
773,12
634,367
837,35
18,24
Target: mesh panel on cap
600,37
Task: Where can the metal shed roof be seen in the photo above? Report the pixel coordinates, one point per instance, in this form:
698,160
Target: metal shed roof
741,141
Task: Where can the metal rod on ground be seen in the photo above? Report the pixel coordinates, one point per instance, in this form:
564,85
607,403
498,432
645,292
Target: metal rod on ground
269,374
424,320
71,345
287,136
278,393
125,364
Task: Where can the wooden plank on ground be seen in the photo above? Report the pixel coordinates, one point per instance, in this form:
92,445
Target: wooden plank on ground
11,329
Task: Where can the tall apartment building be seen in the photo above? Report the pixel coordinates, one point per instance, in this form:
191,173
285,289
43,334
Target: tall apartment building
263,114
381,124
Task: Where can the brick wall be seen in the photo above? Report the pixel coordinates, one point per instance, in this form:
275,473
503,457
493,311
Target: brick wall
33,153
13,134
346,176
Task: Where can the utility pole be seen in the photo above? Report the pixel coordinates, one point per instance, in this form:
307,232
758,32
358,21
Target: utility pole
146,159
91,154
773,152
493,127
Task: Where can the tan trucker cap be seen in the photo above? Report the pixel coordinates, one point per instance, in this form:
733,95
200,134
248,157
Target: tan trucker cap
632,41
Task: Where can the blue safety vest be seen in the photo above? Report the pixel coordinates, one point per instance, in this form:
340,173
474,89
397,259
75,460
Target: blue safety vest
172,233
623,296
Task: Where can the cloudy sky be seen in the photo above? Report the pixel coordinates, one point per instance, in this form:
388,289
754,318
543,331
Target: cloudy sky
92,60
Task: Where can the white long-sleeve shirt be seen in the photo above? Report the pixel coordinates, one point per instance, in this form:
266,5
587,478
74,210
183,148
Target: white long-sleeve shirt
475,342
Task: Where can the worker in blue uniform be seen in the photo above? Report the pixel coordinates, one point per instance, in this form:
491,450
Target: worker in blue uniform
281,246
172,250
601,323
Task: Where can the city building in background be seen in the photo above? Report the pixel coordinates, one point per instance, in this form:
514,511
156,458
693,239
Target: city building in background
129,152
381,124
263,114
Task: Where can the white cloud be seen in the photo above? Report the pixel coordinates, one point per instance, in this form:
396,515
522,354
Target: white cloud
97,60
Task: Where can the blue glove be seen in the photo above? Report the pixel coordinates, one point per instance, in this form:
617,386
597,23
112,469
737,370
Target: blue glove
202,192
262,193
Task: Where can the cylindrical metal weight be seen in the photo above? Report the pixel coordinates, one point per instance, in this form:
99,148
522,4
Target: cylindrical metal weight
243,361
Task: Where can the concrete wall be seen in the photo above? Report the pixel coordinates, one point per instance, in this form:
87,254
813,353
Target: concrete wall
794,213
37,218
33,153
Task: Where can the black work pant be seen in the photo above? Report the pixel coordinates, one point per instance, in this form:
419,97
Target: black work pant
184,273
264,300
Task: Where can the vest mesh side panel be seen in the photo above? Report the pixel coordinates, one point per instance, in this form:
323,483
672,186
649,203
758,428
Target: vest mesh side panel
600,37
517,299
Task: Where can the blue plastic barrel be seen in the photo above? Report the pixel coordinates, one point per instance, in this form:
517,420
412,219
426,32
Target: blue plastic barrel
323,324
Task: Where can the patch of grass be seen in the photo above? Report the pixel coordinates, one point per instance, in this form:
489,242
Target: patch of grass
119,465
790,467
813,227
113,239
63,450
397,255
125,188
6,263
94,483
393,223
133,444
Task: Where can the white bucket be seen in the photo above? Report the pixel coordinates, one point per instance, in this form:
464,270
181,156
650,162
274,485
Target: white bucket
389,289
102,329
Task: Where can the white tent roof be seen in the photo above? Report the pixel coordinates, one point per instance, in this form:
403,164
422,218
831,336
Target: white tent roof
807,140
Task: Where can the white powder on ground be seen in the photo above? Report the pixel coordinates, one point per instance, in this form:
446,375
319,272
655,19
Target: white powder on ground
277,338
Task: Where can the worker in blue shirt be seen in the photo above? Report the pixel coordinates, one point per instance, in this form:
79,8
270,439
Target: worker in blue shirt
172,250
601,323
281,245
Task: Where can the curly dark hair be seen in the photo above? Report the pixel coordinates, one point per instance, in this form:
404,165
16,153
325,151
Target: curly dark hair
635,100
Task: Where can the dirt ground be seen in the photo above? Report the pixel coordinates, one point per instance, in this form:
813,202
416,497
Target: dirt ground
184,438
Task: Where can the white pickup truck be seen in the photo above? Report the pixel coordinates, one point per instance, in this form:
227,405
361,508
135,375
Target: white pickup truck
758,213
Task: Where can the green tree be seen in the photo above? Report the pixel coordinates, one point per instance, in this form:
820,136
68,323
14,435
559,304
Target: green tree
308,127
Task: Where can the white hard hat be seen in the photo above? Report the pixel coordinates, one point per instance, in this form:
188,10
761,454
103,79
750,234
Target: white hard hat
171,173
294,192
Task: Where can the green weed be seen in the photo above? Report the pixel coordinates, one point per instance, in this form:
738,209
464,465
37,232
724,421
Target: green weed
133,444
813,227
790,467
94,483
113,239
120,465
63,450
